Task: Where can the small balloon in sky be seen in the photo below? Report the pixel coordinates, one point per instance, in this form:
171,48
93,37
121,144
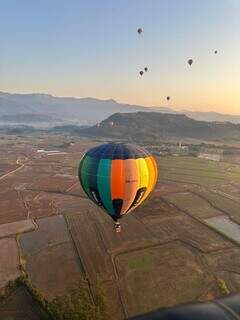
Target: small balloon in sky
190,61
139,30
168,98
141,73
146,69
215,51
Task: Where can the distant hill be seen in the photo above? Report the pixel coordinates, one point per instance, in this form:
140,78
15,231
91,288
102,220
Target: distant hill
83,111
142,126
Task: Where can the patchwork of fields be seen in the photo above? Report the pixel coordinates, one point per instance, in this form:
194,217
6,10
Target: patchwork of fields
166,254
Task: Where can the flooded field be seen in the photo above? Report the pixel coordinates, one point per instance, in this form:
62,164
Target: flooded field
225,226
50,248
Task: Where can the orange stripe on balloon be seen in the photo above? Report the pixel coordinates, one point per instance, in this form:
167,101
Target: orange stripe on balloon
131,183
117,179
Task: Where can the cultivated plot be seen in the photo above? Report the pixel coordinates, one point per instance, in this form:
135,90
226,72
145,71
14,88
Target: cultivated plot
193,204
161,276
50,257
9,261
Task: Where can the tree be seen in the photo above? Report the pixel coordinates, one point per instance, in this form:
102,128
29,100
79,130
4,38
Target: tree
78,304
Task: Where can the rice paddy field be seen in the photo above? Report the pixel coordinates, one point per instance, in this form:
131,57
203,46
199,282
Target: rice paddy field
167,252
197,171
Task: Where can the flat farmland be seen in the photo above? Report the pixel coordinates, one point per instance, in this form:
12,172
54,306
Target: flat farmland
169,187
141,233
6,167
166,254
230,191
9,261
226,265
193,205
51,250
26,191
161,276
97,261
197,171
187,231
226,204
12,207
16,227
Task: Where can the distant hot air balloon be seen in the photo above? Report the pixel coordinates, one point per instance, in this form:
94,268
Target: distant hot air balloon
215,51
168,98
139,30
190,62
146,69
141,73
118,177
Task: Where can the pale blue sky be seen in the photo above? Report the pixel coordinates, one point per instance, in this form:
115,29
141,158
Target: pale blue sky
91,48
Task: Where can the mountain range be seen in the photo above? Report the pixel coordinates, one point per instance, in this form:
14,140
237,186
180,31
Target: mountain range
44,108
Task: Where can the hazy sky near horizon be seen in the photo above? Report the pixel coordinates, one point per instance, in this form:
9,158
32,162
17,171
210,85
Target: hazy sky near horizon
91,48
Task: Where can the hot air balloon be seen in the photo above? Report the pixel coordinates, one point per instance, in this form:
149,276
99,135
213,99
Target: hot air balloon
215,51
190,62
168,98
146,69
118,177
141,73
139,30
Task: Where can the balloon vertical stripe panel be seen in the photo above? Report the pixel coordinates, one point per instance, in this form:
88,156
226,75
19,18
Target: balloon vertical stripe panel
92,180
118,184
142,183
144,176
131,184
155,169
151,176
104,184
84,175
142,173
118,179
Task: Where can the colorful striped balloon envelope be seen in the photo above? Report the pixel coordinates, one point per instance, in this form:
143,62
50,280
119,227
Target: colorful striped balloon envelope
118,177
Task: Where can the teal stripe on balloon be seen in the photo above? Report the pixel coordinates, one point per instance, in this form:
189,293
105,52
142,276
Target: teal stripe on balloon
104,184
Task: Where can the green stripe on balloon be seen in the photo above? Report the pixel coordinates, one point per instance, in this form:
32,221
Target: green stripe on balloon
80,169
84,175
104,184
